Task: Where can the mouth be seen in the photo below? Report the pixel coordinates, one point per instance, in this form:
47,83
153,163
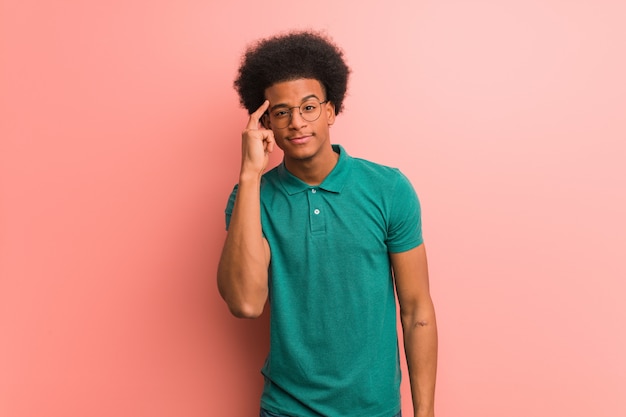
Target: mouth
298,140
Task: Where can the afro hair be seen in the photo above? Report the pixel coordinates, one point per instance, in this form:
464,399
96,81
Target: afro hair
289,57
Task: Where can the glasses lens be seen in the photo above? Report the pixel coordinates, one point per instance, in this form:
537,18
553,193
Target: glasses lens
280,117
310,111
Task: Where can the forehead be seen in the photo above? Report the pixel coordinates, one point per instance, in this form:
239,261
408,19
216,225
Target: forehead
294,91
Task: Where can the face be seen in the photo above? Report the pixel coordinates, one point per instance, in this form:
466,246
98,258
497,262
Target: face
300,140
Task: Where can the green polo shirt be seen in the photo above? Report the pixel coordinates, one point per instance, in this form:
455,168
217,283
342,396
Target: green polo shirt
333,342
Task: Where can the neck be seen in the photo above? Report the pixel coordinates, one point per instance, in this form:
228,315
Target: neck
312,171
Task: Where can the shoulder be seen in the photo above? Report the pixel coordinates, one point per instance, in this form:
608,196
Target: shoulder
271,179
377,174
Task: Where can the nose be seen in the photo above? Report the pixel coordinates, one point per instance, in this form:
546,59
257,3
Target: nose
296,121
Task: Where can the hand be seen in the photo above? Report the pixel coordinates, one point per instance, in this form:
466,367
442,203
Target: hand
256,144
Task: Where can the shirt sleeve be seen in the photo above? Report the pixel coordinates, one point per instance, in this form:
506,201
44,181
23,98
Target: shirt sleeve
404,230
230,205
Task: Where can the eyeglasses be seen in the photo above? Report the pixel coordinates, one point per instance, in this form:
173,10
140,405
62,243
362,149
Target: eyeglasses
310,110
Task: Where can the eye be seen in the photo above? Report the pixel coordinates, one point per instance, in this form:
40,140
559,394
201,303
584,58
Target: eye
309,107
281,113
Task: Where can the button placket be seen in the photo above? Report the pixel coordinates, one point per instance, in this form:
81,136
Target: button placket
316,217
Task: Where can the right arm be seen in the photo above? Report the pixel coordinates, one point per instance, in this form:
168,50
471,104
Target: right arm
242,274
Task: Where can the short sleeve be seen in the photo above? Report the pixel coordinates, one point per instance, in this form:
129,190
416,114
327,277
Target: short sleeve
404,227
230,205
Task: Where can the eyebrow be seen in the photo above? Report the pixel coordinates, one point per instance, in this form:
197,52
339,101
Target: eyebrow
301,101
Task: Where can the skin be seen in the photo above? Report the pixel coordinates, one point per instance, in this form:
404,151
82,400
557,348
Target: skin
307,149
419,326
243,268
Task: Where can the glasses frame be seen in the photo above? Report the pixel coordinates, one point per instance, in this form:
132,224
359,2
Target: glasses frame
267,113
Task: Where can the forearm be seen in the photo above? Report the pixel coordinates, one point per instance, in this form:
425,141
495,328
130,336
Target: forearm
242,271
420,344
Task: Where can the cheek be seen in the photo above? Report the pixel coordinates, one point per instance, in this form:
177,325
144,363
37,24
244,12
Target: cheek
278,134
279,138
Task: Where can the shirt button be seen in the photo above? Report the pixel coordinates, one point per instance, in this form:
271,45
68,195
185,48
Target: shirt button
313,190
316,211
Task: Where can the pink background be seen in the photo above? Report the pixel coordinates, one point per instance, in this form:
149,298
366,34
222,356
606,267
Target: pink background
120,143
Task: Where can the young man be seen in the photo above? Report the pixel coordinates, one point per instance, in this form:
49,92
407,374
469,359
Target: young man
325,237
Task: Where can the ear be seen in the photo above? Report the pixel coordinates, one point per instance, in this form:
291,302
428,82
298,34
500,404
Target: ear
330,113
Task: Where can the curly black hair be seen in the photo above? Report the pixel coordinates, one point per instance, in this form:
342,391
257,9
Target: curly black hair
289,57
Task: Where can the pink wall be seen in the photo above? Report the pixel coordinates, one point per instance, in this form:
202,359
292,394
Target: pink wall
119,144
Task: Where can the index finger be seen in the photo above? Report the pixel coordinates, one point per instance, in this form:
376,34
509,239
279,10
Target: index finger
253,122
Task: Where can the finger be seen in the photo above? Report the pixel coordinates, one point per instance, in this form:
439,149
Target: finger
269,142
253,122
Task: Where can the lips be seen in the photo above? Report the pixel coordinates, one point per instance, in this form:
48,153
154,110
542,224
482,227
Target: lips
298,140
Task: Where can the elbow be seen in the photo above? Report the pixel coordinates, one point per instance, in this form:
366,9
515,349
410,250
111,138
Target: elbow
244,307
245,300
245,310
418,315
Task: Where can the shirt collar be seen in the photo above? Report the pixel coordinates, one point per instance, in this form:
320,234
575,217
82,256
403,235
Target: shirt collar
334,181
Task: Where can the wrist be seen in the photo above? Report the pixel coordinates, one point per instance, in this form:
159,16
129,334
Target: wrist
249,176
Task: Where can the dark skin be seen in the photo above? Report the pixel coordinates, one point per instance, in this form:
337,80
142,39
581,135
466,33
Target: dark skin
308,154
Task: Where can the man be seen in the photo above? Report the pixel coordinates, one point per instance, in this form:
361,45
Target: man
325,237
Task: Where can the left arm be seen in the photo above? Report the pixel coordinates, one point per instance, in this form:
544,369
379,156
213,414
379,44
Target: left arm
419,326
